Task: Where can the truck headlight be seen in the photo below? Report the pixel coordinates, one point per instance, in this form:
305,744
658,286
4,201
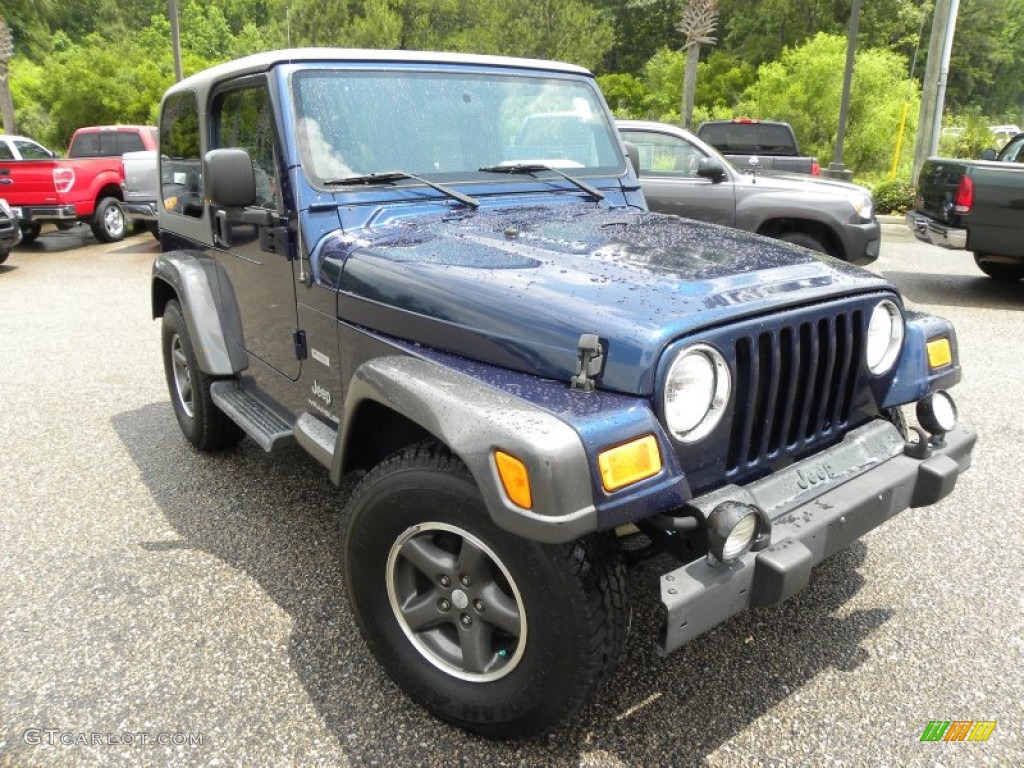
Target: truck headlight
696,392
885,337
863,205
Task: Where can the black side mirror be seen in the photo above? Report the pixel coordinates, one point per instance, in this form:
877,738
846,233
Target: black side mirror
230,179
710,168
988,154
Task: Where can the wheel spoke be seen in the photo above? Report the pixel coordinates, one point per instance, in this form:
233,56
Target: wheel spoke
421,612
477,653
473,561
501,610
180,361
427,557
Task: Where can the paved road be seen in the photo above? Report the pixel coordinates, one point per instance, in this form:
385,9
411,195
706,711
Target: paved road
149,590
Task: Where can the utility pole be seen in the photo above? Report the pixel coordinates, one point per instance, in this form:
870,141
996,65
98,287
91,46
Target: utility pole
172,11
933,89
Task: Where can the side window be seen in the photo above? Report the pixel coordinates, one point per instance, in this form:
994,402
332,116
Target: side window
243,118
31,151
181,182
1015,152
5,151
667,156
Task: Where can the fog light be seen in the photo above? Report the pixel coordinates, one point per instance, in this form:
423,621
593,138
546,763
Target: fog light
937,413
733,528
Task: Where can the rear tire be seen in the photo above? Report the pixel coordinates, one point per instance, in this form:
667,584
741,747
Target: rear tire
108,223
497,634
30,231
999,270
201,421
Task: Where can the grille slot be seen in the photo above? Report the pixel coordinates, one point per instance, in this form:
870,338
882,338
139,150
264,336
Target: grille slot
795,387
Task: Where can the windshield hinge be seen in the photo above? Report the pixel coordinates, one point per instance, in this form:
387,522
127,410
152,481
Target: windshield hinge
277,239
301,351
589,361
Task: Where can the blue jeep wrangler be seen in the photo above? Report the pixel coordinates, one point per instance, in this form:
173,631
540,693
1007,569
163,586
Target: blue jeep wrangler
390,259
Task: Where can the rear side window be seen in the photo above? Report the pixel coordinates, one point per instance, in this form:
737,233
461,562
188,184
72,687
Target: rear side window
181,180
106,144
5,151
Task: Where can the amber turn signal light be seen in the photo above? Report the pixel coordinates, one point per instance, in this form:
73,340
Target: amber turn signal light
514,478
939,352
629,463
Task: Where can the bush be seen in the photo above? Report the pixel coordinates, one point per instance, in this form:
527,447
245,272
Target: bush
893,197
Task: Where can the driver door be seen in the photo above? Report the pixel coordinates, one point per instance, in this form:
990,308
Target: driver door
263,280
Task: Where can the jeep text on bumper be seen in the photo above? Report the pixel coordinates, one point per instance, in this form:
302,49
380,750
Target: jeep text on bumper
436,274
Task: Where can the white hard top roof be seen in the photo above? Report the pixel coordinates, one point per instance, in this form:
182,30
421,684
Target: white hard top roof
261,62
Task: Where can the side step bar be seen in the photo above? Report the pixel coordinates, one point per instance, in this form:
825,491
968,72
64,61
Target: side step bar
258,420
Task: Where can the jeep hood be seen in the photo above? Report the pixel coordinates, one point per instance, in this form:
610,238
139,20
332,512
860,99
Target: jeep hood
517,288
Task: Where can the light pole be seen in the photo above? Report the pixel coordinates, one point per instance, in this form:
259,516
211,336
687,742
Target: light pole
172,11
836,169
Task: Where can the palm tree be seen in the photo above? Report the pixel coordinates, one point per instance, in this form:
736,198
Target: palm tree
700,17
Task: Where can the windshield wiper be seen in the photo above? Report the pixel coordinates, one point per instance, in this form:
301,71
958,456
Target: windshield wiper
532,168
388,177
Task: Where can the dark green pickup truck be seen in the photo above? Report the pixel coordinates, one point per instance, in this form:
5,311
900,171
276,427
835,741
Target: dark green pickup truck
975,205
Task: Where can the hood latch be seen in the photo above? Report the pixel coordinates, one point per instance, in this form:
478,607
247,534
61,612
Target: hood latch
589,362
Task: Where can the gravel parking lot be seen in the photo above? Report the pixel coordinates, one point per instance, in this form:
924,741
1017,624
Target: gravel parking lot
163,607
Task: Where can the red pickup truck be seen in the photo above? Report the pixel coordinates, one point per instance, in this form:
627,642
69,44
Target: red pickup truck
85,187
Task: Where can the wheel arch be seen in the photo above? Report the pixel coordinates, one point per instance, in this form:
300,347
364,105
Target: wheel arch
211,314
417,398
819,230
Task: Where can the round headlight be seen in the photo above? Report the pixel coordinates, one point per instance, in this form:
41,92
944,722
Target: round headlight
696,392
885,337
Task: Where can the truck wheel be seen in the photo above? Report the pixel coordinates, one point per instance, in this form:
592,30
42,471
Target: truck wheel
492,632
30,231
805,240
153,228
4,253
108,221
205,425
999,270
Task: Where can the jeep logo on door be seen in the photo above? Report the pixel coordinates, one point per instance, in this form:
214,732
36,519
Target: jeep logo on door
323,394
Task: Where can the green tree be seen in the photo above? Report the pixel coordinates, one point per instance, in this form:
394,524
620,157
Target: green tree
803,88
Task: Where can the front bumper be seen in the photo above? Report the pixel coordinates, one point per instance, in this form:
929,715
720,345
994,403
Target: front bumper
861,242
929,230
137,211
817,507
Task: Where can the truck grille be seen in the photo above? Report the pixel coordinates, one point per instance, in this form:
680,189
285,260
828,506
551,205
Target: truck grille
795,387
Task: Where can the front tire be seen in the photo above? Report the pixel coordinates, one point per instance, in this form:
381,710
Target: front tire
805,240
201,421
108,223
492,632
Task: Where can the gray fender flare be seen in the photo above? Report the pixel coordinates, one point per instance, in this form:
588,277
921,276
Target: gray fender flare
473,419
208,303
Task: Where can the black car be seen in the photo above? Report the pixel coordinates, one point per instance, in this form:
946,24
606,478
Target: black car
10,232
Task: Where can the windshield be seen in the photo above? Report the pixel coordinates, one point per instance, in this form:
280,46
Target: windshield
448,124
